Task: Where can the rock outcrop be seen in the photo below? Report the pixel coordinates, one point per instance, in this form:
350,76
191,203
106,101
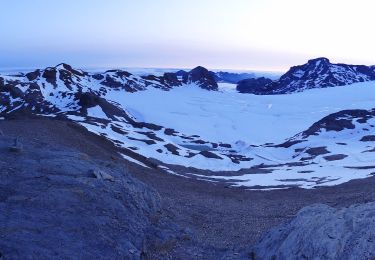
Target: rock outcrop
57,204
254,85
202,77
322,232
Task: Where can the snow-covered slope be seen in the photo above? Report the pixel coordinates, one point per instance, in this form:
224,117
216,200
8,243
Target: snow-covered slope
177,120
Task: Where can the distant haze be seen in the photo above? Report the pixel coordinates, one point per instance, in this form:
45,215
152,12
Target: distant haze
240,34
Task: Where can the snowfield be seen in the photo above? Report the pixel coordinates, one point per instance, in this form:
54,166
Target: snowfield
228,116
249,123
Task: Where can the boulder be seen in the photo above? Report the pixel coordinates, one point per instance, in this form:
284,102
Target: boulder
322,232
102,175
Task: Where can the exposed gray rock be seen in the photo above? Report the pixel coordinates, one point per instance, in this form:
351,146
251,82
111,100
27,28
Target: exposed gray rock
17,146
102,175
51,207
322,232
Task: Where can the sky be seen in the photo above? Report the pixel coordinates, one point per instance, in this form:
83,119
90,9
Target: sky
219,34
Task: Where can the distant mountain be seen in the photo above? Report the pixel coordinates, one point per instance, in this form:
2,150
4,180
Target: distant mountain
317,73
254,86
231,77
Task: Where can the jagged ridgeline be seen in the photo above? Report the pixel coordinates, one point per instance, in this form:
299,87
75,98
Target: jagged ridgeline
61,88
316,73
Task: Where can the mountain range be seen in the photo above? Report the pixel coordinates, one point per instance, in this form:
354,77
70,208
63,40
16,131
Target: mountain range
181,120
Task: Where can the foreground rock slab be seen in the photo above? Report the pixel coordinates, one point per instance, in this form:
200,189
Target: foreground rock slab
322,232
51,207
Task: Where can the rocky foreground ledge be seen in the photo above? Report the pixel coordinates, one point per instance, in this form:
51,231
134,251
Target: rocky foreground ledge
322,232
57,202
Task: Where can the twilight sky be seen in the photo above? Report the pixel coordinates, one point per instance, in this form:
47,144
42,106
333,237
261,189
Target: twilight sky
231,34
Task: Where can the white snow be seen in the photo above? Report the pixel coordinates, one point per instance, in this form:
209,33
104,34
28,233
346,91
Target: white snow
242,119
227,87
76,118
134,160
96,112
229,117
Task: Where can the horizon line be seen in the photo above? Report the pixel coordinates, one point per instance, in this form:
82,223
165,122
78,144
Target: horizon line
109,67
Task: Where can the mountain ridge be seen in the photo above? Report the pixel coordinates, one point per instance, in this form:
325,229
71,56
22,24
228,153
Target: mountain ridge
316,73
36,89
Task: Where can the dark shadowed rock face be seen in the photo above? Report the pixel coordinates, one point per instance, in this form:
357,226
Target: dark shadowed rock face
33,75
322,232
52,206
203,78
68,68
50,75
168,80
181,74
87,100
254,85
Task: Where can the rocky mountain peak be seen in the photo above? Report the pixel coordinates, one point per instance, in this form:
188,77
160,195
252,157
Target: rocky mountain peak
68,68
320,60
203,77
319,73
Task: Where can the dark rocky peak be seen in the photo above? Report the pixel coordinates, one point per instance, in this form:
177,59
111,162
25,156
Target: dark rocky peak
199,71
33,75
66,74
319,61
63,67
320,73
120,79
166,82
181,73
253,85
151,77
68,68
119,73
317,65
202,77
50,75
232,77
171,79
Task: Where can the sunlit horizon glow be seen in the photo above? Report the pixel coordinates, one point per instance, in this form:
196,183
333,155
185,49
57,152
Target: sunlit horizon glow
267,35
